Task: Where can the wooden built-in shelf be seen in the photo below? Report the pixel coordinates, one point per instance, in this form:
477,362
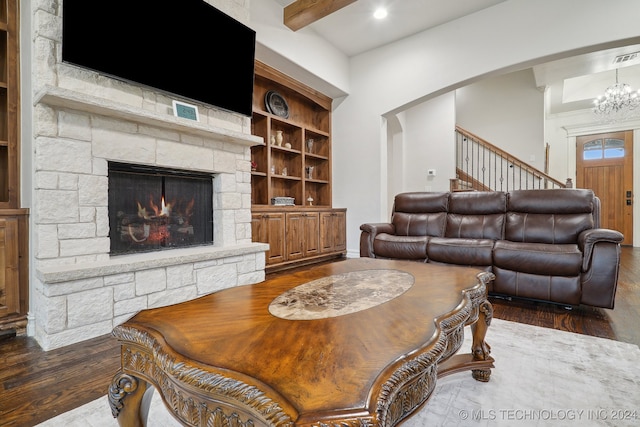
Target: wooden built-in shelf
311,229
14,221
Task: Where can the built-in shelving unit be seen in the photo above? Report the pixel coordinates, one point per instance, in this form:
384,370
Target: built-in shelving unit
14,283
300,165
8,105
295,162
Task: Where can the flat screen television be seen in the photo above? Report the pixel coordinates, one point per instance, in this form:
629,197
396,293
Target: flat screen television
186,48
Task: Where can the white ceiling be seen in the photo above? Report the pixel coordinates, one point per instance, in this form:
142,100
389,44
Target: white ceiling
353,30
577,80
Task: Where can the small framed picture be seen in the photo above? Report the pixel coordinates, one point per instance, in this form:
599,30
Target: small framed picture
184,110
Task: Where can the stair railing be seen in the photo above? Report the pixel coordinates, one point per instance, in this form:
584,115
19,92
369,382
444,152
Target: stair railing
482,166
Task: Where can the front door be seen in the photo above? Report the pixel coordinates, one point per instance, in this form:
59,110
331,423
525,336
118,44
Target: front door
604,163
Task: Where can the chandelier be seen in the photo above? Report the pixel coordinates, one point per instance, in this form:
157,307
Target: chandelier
618,102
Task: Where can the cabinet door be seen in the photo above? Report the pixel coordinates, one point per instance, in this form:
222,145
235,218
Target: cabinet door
302,235
326,237
339,231
311,234
295,236
269,228
332,231
9,283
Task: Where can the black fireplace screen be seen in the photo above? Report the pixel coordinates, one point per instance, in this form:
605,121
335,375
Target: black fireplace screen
153,208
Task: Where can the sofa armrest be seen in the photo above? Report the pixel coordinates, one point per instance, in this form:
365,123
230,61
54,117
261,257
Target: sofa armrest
600,266
368,234
589,238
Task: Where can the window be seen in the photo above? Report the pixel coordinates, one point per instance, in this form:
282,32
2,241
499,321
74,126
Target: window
609,148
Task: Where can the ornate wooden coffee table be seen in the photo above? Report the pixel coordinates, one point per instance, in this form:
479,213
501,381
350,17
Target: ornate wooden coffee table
354,343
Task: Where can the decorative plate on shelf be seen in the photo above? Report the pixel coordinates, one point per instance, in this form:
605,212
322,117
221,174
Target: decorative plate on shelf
276,104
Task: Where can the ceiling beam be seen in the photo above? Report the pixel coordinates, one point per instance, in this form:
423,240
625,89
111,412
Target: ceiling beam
301,13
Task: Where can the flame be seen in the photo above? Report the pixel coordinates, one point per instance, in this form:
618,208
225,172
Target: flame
166,208
153,206
157,220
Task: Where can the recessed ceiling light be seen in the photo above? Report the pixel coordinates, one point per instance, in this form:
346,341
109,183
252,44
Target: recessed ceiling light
380,13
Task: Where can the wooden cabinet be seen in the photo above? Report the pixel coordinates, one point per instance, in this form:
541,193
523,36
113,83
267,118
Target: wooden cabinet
9,295
333,227
14,275
299,236
294,161
14,283
269,227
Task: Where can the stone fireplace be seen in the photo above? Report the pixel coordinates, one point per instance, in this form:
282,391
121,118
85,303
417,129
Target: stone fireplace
79,130
81,288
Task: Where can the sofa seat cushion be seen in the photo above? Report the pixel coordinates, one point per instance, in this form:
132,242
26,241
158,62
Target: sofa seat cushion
559,289
403,247
538,258
476,252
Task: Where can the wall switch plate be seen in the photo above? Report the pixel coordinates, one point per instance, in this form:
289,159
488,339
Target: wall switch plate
431,172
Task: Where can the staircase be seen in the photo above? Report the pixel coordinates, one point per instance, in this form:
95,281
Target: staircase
481,166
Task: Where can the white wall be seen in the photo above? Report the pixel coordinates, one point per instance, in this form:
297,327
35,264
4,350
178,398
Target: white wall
419,139
429,144
301,54
507,111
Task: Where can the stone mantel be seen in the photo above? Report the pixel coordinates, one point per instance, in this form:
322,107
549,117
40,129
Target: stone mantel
145,261
69,99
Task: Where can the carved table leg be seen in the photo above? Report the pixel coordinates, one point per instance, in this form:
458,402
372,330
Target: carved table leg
480,349
126,398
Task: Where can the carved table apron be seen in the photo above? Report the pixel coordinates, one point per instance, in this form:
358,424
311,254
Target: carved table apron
354,343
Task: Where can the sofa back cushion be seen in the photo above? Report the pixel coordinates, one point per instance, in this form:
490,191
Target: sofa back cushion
476,215
549,216
420,214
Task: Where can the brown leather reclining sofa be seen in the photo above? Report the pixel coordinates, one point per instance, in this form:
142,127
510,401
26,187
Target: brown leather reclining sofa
541,244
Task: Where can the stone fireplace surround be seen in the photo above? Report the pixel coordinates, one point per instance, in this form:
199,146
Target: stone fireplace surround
79,291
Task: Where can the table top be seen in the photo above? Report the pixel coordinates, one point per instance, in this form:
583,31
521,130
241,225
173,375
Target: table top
317,340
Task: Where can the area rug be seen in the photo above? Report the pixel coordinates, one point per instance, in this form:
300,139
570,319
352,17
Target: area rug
543,377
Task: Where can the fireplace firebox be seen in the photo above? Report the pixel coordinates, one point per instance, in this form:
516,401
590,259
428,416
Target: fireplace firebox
152,208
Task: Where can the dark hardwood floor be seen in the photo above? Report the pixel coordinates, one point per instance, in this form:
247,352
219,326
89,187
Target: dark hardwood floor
38,385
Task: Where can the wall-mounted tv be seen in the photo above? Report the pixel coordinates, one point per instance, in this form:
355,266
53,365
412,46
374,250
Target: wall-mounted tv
186,48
